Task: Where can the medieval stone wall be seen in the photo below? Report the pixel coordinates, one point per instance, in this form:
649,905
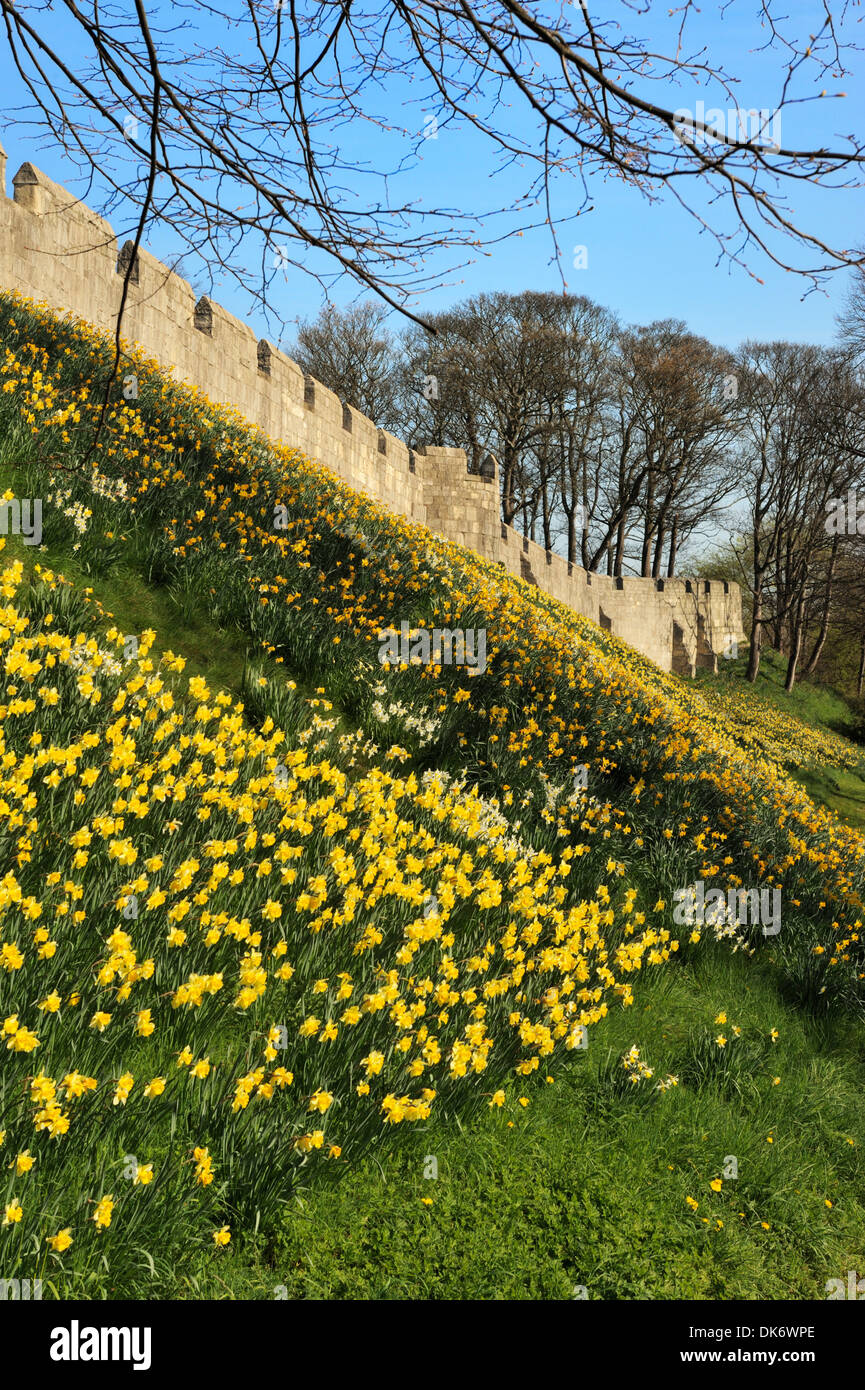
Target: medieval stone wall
54,248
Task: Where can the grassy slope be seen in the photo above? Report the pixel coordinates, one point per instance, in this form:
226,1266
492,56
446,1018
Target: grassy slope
813,704
589,1187
842,792
818,706
586,1188
181,621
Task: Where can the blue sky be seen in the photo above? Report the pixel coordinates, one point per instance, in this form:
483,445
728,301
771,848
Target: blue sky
645,261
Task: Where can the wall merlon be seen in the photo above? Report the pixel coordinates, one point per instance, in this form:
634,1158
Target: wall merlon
34,192
285,370
235,334
29,192
397,452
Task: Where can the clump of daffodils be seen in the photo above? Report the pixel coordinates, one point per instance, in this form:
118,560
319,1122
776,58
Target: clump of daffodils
114,489
77,513
635,1067
667,1083
425,729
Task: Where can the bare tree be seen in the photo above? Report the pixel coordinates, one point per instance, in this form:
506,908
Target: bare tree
685,429
796,429
353,353
574,391
839,430
773,379
490,361
851,320
663,461
223,123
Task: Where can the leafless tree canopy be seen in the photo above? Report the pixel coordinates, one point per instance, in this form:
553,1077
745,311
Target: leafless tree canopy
614,444
226,120
617,446
354,348
803,461
852,317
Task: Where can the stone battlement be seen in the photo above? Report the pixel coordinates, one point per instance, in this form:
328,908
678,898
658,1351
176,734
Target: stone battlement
54,248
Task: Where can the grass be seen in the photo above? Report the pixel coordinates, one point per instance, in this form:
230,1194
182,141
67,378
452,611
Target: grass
816,707
809,701
586,1188
135,604
134,601
841,791
581,1194
585,1195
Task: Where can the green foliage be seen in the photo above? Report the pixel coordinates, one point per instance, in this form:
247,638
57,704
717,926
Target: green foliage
586,1186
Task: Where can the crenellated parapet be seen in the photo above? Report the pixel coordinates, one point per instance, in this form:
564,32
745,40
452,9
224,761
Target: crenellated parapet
54,248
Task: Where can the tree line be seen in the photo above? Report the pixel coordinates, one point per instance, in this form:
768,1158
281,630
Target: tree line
622,447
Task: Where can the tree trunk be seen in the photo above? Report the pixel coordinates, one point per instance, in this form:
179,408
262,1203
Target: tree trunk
620,548
645,568
510,506
783,624
645,559
571,514
660,539
584,496
824,621
756,635
795,644
860,684
547,520
674,546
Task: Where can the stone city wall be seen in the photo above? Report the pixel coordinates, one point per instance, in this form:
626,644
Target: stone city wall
54,248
